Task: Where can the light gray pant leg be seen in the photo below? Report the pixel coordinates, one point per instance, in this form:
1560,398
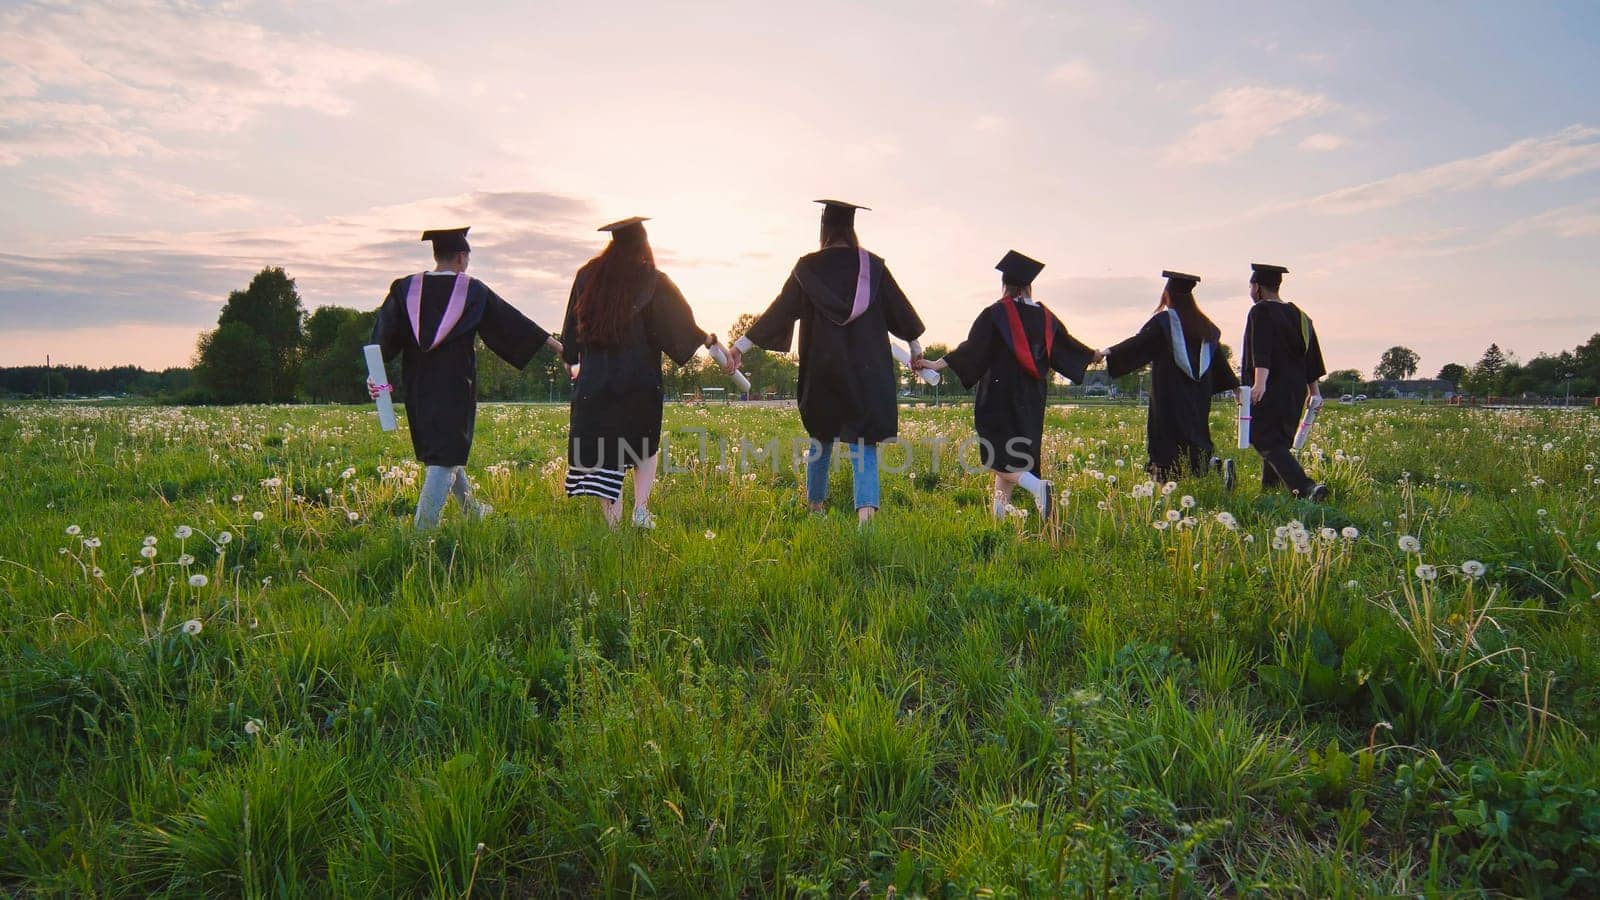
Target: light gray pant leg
436,484
461,489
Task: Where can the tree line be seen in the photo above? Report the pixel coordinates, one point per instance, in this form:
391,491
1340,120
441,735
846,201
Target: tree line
1497,373
266,349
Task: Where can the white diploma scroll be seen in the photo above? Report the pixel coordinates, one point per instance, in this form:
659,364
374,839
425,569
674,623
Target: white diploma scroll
1244,417
377,375
903,355
721,357
1307,419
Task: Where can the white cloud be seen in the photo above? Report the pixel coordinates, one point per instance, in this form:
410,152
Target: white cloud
103,79
1077,74
124,192
1324,142
1567,153
1241,117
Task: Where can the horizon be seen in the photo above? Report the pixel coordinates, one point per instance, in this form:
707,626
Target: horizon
1431,177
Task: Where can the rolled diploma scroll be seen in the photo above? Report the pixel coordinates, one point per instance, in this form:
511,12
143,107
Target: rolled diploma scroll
1244,418
904,357
375,372
721,357
1307,419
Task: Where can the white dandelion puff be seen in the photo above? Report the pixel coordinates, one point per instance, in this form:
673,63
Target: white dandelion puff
148,552
1186,501
1350,532
710,535
150,540
1473,569
74,530
1160,524
252,727
183,532
193,626
1427,572
225,537
1410,544
1173,515
198,580
258,515
1352,584
93,543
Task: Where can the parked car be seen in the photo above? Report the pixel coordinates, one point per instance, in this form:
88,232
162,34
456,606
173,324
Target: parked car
1346,398
1361,398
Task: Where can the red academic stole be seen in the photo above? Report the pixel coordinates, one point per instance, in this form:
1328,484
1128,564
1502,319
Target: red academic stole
1019,338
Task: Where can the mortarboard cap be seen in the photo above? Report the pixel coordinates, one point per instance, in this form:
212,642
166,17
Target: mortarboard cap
838,212
1181,280
1267,274
1018,269
448,240
630,222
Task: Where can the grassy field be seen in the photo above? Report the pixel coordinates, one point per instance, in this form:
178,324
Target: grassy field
231,668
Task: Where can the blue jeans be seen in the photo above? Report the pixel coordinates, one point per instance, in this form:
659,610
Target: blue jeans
863,470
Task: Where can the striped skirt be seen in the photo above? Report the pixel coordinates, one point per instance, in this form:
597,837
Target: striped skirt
603,483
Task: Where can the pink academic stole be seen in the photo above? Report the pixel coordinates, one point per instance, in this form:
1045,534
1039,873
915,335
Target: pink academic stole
863,288
452,309
1019,338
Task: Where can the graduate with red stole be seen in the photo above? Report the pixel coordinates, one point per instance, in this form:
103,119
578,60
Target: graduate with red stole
1011,353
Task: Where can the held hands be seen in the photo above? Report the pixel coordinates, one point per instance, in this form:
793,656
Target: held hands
932,365
1099,357
735,359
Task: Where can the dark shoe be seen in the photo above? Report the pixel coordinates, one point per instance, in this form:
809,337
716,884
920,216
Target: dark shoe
1230,475
1048,509
1319,494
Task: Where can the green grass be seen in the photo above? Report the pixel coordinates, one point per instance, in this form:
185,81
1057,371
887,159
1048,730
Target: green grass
755,701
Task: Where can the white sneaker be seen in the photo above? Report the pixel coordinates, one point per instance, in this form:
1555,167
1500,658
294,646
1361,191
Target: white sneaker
642,518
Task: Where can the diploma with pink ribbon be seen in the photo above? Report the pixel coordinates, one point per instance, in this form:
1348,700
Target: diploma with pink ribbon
380,381
720,355
1244,418
1307,419
903,356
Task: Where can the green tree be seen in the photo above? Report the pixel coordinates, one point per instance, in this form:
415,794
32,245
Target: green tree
1485,376
229,364
270,310
334,370
1344,381
1455,373
1397,364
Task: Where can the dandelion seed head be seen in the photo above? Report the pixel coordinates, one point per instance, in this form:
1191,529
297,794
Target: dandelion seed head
1410,544
150,540
710,535
225,537
1352,584
258,515
93,543
193,626
1160,524
1350,533
1173,515
252,727
1186,501
197,580
147,551
1427,572
74,531
1473,568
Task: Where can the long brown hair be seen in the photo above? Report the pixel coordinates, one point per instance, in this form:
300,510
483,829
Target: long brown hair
614,279
1195,322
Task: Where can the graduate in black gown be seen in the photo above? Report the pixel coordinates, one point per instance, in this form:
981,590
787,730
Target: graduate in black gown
1183,349
847,305
432,321
622,315
1010,353
1282,364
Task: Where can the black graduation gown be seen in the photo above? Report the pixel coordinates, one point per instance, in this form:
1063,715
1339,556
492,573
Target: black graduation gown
1179,417
441,385
847,375
616,402
1009,410
1280,338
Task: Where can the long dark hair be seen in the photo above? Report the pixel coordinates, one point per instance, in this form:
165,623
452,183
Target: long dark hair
839,234
613,280
1195,322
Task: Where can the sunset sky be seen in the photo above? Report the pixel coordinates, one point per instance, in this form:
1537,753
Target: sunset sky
1430,173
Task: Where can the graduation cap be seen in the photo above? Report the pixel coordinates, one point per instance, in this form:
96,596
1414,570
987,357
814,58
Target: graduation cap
1018,269
838,212
625,224
1180,280
1267,275
448,240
